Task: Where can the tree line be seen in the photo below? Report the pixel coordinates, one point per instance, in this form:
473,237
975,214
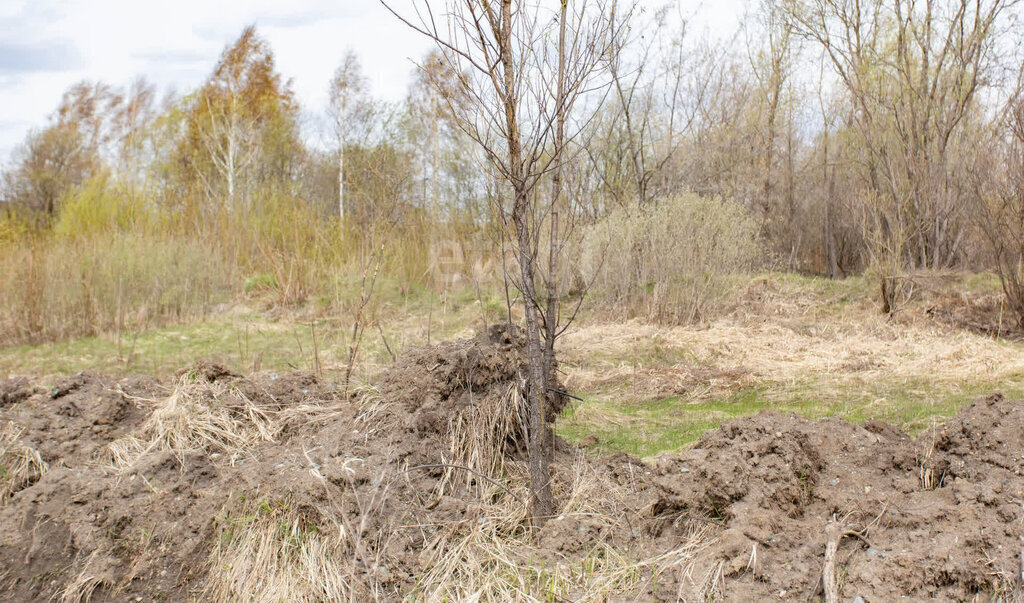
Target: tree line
860,135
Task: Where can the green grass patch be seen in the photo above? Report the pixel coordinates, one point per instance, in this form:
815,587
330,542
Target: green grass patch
244,342
247,340
650,427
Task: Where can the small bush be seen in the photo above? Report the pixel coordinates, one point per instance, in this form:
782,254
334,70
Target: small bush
260,282
671,262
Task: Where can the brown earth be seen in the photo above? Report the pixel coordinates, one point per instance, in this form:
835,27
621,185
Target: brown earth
392,484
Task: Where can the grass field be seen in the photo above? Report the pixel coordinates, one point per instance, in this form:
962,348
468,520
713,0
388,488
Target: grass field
786,343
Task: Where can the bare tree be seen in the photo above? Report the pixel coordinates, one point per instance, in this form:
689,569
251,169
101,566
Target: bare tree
647,67
998,180
913,70
771,62
526,68
351,111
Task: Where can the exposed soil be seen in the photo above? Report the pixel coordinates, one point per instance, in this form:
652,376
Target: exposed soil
941,516
936,517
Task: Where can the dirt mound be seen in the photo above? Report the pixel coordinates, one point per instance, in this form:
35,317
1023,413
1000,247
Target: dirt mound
143,488
936,517
277,487
437,379
77,523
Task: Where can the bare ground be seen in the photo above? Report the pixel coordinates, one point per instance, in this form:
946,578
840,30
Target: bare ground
281,487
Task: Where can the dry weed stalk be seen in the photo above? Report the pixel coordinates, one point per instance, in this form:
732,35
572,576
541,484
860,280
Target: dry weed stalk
926,473
20,466
85,583
492,556
196,416
211,417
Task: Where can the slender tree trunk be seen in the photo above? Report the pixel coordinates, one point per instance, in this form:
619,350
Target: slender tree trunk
341,181
831,261
551,315
540,487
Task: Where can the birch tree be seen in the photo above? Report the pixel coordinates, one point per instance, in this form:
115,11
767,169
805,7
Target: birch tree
350,111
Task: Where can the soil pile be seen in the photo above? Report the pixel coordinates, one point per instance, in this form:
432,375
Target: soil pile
136,488
939,517
219,486
984,314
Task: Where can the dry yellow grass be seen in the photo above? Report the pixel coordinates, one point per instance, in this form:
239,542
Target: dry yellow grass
85,583
209,417
20,465
478,436
272,553
196,416
702,362
493,557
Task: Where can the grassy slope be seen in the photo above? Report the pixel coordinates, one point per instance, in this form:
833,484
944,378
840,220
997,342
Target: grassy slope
788,343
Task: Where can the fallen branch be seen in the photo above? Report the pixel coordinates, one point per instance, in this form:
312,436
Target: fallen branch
834,533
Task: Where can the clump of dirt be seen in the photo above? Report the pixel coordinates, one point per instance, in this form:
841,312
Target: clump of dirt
15,390
936,517
433,380
417,489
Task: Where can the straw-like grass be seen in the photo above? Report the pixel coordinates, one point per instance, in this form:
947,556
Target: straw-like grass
732,354
479,435
494,557
85,582
197,416
210,417
20,465
272,552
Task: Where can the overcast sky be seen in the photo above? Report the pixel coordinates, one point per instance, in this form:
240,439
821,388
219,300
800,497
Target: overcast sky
48,45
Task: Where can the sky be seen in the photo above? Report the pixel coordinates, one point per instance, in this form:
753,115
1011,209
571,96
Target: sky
48,45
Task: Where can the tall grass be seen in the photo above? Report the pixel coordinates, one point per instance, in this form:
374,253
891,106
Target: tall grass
56,288
119,258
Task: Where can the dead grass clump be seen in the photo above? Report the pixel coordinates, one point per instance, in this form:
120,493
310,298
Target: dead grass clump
493,556
88,579
201,415
479,435
274,552
20,466
57,288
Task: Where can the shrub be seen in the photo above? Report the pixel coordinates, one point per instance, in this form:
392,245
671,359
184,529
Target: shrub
99,206
53,288
671,262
